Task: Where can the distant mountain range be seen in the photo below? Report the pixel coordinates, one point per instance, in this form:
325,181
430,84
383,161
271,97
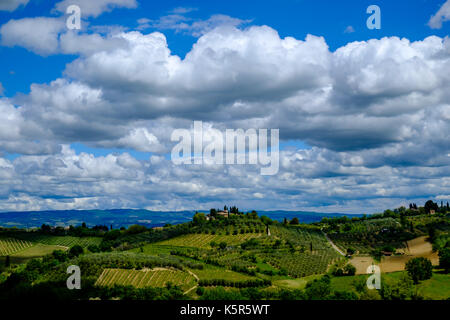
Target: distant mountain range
126,217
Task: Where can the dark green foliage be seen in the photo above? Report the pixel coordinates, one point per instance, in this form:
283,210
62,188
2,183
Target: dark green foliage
236,284
401,289
318,289
75,251
200,291
199,219
349,269
430,205
136,229
60,255
93,248
419,269
220,293
112,235
343,295
444,259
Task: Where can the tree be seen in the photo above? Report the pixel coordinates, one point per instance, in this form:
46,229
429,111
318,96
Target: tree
350,251
401,289
75,251
337,272
222,245
444,259
349,270
266,220
60,255
7,261
294,221
430,205
419,269
93,248
199,219
136,228
318,289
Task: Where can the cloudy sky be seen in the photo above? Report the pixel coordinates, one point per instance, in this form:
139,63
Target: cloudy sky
86,115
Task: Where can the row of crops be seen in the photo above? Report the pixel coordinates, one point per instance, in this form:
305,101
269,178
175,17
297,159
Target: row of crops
296,251
145,278
10,246
301,264
65,241
366,236
301,237
204,240
211,273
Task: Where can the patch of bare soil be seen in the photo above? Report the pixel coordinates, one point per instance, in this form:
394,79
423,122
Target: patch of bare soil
361,263
418,247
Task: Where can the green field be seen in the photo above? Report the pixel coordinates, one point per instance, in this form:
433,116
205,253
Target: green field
38,250
145,278
211,272
299,283
436,288
204,240
10,246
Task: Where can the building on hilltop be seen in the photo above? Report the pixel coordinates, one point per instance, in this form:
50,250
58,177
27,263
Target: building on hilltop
223,213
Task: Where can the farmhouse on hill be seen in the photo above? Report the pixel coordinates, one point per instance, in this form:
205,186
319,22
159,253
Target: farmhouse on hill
223,213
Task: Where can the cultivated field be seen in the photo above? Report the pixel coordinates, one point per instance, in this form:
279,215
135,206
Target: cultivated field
369,235
36,251
418,247
65,241
157,277
10,246
210,273
204,240
302,264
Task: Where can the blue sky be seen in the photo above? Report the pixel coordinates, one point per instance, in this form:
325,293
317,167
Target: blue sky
352,104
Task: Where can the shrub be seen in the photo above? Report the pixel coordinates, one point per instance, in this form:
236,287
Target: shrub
349,270
75,251
93,248
444,259
419,269
136,228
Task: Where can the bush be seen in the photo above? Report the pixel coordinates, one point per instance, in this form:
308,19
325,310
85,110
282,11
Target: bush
93,248
112,235
318,289
200,291
444,259
75,251
349,270
60,255
419,269
136,228
338,272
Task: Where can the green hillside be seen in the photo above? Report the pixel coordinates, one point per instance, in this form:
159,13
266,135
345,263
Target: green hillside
233,256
